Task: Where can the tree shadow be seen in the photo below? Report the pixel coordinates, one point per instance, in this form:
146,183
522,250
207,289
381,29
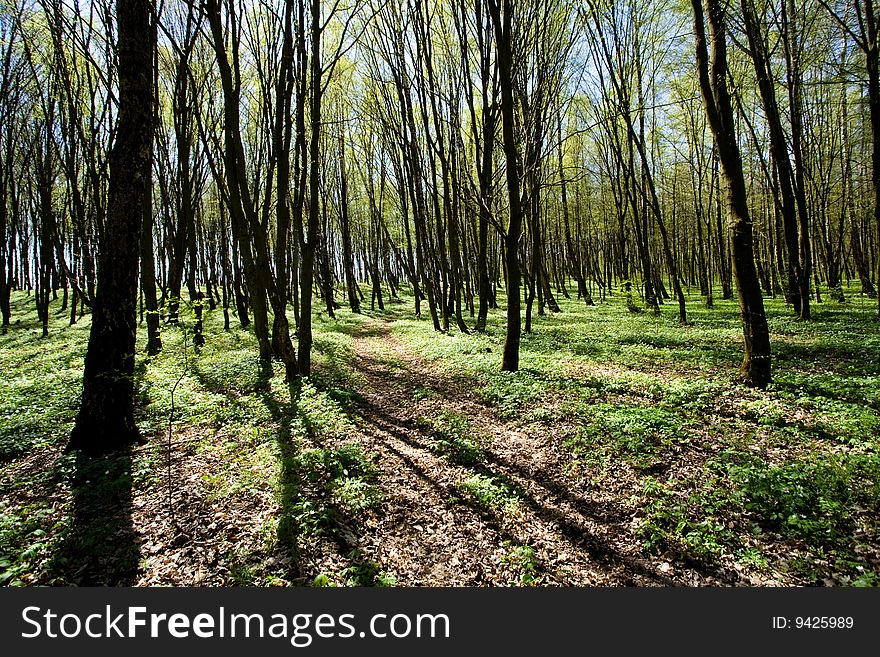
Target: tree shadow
101,547
632,570
566,510
287,533
299,491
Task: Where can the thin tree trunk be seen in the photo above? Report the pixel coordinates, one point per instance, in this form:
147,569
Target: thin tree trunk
501,11
755,368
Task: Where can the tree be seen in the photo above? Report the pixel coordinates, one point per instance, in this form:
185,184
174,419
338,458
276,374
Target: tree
791,196
867,37
755,368
106,416
501,12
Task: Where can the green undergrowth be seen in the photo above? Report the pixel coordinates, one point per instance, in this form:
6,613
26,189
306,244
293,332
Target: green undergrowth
361,573
489,492
259,437
453,438
779,483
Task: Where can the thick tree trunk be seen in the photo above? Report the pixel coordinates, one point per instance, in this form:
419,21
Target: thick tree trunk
106,417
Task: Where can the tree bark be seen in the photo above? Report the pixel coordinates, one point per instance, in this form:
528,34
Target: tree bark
106,416
755,368
501,11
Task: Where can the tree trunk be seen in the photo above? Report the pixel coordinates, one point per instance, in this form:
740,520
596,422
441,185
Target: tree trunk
501,11
755,368
307,247
106,416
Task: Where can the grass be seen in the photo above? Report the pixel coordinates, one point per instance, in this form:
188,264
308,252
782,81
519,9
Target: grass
784,483
454,439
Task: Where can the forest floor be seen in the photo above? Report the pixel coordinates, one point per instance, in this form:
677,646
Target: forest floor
621,454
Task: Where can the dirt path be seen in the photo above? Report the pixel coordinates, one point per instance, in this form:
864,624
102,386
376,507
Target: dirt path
428,533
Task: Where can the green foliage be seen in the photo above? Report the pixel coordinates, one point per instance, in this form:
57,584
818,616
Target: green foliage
242,573
41,383
347,460
361,573
511,391
690,524
636,434
320,485
320,413
490,493
691,395
366,573
811,500
308,518
420,394
354,495
522,561
243,472
783,480
24,541
453,438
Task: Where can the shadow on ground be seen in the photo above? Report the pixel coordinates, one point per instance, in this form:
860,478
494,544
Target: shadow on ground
101,548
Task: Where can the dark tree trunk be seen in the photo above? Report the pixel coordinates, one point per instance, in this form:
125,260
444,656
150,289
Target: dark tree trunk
5,253
755,368
245,225
148,263
148,278
345,224
307,247
501,11
106,417
871,47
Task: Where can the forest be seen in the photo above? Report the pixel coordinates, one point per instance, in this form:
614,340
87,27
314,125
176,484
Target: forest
440,293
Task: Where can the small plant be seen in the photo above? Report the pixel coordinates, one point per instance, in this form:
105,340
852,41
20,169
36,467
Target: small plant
521,560
353,495
310,518
320,413
365,573
688,525
242,573
753,557
512,391
420,394
489,493
322,580
23,541
809,500
348,460
454,439
866,580
636,434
